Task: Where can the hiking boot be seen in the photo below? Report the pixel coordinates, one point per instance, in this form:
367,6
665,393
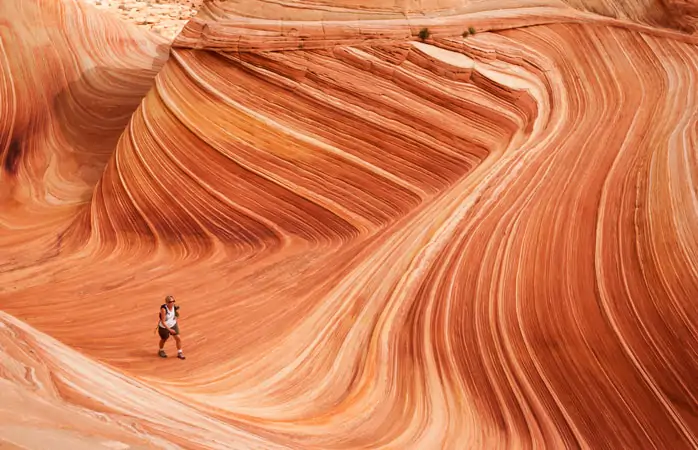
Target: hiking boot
181,356
162,354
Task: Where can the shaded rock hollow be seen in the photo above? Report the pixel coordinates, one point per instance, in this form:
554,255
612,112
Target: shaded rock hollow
377,241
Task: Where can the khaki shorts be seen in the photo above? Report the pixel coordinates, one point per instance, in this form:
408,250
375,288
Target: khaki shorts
165,334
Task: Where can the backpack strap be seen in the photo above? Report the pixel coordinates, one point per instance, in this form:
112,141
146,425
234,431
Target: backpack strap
162,306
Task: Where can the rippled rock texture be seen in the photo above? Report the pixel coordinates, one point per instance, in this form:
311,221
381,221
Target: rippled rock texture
377,241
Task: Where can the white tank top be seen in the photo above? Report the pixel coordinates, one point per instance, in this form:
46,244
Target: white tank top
170,319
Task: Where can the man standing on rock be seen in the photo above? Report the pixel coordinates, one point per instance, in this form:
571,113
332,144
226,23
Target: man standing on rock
168,326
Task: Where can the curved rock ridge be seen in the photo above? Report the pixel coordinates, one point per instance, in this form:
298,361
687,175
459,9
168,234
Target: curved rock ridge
249,25
376,241
42,379
330,165
70,78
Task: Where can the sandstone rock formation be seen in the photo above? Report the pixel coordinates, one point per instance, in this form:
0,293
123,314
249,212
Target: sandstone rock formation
164,17
377,241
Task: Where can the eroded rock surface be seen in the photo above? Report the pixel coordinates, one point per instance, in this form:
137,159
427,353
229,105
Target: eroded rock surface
163,17
377,241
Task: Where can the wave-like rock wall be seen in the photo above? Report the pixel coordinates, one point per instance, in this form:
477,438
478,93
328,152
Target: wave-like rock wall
376,241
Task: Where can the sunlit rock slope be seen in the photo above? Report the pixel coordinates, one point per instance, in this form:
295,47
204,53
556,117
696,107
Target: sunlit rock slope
377,241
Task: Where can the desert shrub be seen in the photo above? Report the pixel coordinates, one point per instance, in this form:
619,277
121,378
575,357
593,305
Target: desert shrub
424,33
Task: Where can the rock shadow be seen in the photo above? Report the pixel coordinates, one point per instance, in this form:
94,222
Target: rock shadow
92,112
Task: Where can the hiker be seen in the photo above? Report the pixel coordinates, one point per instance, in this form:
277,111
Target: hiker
168,326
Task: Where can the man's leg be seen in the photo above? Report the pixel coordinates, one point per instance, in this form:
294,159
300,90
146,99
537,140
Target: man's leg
163,339
178,341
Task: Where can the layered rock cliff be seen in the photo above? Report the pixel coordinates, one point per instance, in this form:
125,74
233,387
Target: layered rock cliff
377,240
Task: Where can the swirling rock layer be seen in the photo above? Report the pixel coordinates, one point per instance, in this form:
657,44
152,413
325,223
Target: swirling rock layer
376,241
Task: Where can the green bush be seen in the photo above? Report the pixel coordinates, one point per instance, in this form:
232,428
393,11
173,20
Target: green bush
424,33
471,30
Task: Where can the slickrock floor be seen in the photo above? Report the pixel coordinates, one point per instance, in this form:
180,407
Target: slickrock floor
164,17
465,241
